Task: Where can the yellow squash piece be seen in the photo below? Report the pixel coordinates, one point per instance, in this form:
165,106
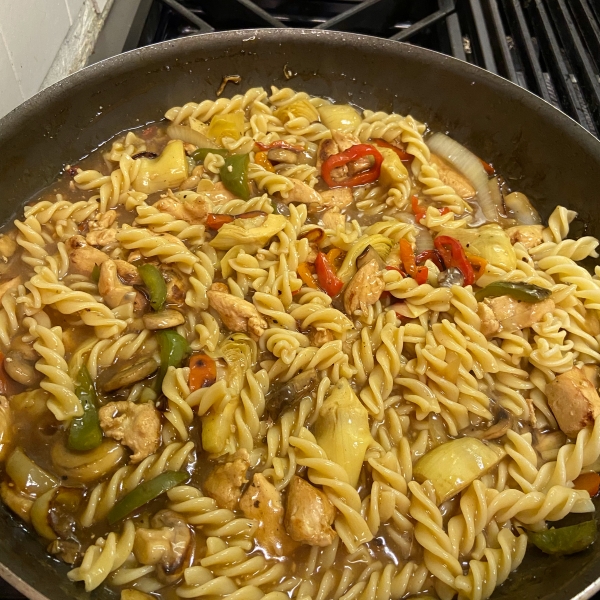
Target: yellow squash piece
454,465
169,170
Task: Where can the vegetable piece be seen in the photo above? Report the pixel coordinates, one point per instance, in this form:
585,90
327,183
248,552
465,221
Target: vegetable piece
521,209
478,263
381,244
250,234
470,166
84,432
335,253
451,276
261,158
200,154
342,117
487,167
525,292
407,256
433,256
328,280
230,125
124,374
190,136
419,211
452,466
343,158
164,319
307,276
169,170
203,371
342,429
144,493
590,482
365,257
40,514
314,236
6,426
392,172
402,155
453,255
216,428
566,540
27,475
173,349
299,108
95,276
155,284
279,144
234,175
215,221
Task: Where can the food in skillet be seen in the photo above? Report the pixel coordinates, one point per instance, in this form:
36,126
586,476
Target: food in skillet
278,347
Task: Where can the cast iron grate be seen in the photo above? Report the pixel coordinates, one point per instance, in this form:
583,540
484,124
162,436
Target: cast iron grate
550,47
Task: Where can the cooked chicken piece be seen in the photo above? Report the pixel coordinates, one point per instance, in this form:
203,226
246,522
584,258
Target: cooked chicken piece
237,314
6,428
332,219
359,165
313,251
165,319
103,220
262,502
302,193
344,140
137,426
110,287
127,273
82,257
528,235
509,314
9,285
177,287
319,337
168,545
573,400
327,148
309,514
215,193
224,484
592,372
337,198
453,178
8,247
101,237
364,289
191,211
17,501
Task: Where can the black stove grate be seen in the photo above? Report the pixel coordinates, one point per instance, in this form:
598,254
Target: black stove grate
550,47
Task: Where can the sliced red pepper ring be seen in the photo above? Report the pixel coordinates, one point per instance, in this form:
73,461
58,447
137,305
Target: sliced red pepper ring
453,255
405,156
407,256
279,144
418,211
431,255
215,221
347,156
328,280
488,168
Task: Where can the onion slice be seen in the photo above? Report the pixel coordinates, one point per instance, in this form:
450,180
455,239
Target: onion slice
423,241
521,208
469,165
190,136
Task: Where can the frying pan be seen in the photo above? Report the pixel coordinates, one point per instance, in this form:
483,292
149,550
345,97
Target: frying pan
540,150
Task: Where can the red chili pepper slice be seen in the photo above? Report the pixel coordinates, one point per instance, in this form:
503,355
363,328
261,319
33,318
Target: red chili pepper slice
279,144
453,255
328,280
405,156
216,221
431,255
488,168
407,256
419,211
343,158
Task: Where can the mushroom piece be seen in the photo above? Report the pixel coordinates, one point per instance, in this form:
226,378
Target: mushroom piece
309,514
365,288
82,257
168,545
69,551
236,313
177,287
110,287
225,481
137,426
6,428
281,155
327,148
9,285
126,373
502,424
24,348
165,319
261,501
291,392
21,370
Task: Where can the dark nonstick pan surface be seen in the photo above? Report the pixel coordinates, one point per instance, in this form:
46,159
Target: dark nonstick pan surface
541,151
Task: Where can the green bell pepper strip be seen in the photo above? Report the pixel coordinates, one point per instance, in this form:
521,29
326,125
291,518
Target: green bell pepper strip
173,350
566,540
526,292
144,493
84,432
200,154
234,175
155,284
96,274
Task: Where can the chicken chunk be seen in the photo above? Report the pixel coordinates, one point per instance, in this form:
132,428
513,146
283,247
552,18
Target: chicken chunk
320,337
192,211
509,314
332,219
364,289
99,229
327,148
177,287
110,287
309,514
82,257
215,193
453,178
528,235
344,140
9,285
302,193
8,247
137,426
236,313
224,484
573,400
336,198
127,273
262,502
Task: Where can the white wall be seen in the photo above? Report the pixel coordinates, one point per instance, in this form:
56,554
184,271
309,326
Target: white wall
31,35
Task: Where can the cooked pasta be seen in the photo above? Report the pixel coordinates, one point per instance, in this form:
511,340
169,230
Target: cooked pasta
306,361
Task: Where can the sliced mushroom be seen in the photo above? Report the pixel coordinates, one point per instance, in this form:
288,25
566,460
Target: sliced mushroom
20,370
291,392
280,155
165,319
127,373
127,273
69,551
367,255
24,348
177,286
502,424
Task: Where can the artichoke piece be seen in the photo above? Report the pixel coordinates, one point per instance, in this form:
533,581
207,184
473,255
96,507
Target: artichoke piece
342,117
250,234
27,475
230,125
381,244
490,242
393,172
169,170
342,429
299,108
216,428
452,466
